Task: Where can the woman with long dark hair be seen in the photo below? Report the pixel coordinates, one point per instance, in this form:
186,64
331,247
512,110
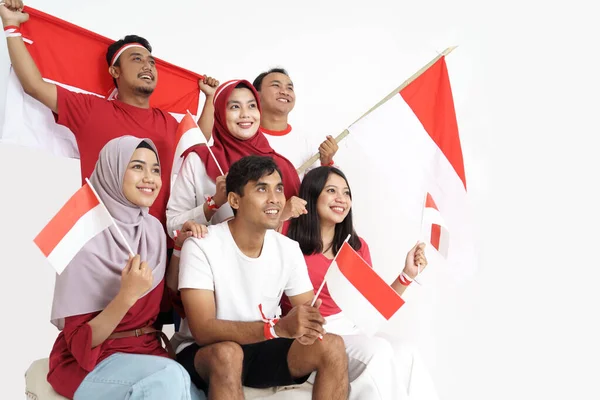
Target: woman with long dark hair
375,363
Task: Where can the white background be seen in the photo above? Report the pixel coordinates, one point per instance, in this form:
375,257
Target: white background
526,87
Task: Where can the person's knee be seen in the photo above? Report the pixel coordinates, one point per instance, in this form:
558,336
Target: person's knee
225,356
334,349
176,377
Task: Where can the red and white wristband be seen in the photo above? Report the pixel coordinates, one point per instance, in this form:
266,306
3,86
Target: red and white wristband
269,328
210,202
12,31
404,279
176,249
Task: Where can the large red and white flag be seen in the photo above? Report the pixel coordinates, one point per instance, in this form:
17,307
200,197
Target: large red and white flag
434,227
413,138
74,58
362,295
81,218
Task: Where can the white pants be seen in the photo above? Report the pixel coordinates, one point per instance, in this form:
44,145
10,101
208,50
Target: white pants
381,367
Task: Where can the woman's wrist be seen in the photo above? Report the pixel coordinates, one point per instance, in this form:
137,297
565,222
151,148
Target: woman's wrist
404,279
125,299
176,251
211,203
406,270
327,163
208,212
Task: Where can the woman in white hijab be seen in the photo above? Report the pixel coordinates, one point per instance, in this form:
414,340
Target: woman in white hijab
105,301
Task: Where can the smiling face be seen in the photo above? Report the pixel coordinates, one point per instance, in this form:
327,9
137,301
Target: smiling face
242,116
335,201
277,94
142,181
261,203
136,71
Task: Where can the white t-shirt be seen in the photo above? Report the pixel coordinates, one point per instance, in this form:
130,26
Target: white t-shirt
294,146
188,196
241,283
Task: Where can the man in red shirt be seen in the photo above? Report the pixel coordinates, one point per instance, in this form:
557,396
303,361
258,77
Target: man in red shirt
93,120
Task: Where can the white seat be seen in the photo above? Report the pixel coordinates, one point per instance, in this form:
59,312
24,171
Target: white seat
36,385
38,388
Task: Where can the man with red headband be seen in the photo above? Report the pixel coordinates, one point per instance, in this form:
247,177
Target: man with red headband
94,121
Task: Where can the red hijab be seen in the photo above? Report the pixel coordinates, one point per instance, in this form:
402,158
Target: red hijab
229,149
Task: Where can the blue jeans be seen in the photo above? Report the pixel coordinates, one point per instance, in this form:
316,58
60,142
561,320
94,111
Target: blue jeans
138,377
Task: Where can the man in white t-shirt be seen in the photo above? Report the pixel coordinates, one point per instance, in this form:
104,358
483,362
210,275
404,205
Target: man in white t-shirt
277,99
231,283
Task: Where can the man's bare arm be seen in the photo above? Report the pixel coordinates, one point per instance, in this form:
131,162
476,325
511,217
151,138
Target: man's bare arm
24,66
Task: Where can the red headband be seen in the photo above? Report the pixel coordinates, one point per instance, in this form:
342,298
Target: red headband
122,49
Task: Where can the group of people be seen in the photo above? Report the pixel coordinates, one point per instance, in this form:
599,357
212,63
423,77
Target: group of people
249,242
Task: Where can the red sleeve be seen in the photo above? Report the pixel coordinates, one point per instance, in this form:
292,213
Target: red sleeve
364,252
74,109
78,335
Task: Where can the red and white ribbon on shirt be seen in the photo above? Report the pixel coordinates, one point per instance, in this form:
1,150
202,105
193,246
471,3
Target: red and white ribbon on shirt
269,329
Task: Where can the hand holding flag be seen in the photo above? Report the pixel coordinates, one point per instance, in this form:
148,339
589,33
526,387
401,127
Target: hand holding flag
415,261
208,85
11,12
136,279
303,322
327,150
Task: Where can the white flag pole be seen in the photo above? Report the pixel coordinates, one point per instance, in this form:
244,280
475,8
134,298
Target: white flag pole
421,235
323,283
207,146
393,93
111,218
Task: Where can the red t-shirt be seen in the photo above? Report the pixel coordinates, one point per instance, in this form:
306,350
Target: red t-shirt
95,121
72,356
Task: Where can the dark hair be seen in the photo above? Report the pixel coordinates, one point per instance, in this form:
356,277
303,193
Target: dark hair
113,48
258,81
246,169
145,145
241,85
306,229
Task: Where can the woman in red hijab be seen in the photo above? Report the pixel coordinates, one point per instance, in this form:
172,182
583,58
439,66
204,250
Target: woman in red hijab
199,191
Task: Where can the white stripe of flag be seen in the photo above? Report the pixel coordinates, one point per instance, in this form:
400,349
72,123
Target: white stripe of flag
363,296
79,220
